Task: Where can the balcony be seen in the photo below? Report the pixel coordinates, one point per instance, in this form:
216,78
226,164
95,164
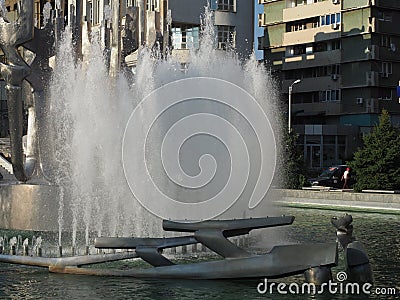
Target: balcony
311,60
371,78
381,25
310,10
348,4
351,4
313,84
311,35
326,108
387,3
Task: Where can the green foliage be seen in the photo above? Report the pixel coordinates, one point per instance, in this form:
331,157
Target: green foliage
292,163
377,163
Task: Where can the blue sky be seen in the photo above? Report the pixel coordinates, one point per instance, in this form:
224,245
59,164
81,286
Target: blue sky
258,31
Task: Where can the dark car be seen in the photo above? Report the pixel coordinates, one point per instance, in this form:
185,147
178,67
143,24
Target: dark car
332,177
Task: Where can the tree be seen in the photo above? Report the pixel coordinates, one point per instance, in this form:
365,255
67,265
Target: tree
377,163
293,169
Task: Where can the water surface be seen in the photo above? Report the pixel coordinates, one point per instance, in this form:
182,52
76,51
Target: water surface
378,233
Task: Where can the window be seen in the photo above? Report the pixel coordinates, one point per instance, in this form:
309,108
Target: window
333,19
226,5
330,95
315,23
384,16
131,3
185,37
89,12
298,49
294,3
226,37
152,5
330,19
385,40
298,26
386,69
335,45
96,12
303,24
335,69
385,94
320,47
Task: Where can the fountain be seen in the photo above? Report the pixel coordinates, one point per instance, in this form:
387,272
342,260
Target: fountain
197,142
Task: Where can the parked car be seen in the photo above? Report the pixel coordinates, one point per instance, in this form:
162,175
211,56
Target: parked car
332,177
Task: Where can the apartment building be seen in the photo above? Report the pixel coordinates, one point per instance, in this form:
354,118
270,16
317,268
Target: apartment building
346,54
233,20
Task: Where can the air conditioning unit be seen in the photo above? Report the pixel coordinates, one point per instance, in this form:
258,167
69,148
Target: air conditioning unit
334,76
335,26
336,1
359,100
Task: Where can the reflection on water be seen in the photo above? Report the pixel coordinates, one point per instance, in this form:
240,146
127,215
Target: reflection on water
379,233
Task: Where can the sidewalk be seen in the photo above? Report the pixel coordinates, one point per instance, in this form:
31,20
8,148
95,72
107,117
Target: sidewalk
387,203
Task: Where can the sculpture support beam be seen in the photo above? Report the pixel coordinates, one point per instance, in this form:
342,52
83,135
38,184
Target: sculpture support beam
15,117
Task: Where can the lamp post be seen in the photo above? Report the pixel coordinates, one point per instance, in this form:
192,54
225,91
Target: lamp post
290,105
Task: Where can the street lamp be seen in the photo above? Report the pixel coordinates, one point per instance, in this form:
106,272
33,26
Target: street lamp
290,105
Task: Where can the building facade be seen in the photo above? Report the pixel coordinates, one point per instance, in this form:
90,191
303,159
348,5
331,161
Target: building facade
175,24
346,54
233,20
124,25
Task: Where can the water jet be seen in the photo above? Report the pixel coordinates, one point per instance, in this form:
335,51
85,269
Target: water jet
199,143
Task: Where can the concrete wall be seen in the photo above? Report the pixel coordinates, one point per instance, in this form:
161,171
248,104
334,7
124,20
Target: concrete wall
274,12
356,21
187,11
243,20
310,10
354,3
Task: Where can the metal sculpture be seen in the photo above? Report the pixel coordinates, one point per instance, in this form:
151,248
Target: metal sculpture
281,261
33,67
13,35
358,267
28,49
